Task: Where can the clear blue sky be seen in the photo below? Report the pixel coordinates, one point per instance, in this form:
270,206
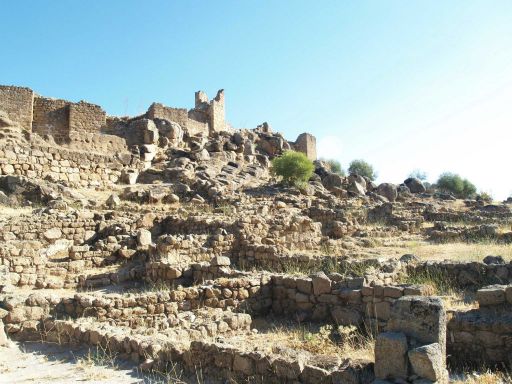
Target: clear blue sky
402,84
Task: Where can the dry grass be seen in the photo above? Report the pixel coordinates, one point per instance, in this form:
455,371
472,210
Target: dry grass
460,301
97,357
457,251
6,212
484,378
437,283
347,342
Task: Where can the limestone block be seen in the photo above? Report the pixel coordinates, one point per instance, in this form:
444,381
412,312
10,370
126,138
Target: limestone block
221,261
321,284
144,237
427,362
52,234
391,355
422,318
346,316
243,364
129,176
491,295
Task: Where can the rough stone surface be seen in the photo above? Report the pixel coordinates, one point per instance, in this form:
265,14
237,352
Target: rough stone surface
53,234
144,237
428,362
415,185
491,295
388,190
391,356
321,284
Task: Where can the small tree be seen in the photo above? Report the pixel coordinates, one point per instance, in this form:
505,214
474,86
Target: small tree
485,197
335,167
293,167
453,183
362,168
418,174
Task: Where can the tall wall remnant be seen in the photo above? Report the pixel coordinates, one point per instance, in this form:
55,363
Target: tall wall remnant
18,103
206,118
217,113
85,126
86,117
306,143
160,111
51,117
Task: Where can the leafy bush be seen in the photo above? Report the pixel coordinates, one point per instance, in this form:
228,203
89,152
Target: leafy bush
335,167
362,168
293,167
453,183
485,197
418,174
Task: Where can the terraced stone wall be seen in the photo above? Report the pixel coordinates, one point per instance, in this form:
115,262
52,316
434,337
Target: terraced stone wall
72,168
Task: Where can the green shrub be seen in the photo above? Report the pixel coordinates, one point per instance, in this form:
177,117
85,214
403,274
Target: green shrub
453,183
362,168
485,196
335,167
293,167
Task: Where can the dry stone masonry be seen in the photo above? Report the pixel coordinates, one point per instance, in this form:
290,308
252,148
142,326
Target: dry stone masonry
165,239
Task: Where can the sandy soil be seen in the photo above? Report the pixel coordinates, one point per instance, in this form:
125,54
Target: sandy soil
38,363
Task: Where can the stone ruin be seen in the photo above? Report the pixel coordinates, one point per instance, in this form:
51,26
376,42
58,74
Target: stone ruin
165,239
81,134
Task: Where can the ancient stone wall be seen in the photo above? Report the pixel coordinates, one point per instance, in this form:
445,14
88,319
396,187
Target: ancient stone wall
86,117
96,142
216,359
413,346
482,336
72,168
160,111
196,127
306,143
217,113
466,274
51,117
18,103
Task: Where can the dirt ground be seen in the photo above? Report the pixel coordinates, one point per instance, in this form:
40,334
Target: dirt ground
38,363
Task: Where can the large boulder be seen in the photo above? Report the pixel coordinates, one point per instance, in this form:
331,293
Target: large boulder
332,180
358,179
356,188
388,190
403,192
272,145
415,185
201,155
